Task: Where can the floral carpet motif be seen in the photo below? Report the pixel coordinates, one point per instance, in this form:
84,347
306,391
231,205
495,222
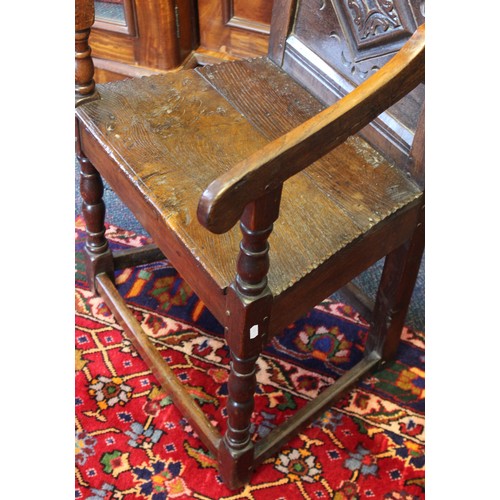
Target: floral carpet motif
132,443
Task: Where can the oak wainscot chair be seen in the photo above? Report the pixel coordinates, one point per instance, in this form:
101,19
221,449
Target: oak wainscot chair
317,150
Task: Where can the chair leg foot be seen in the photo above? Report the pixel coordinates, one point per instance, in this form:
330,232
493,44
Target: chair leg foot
235,465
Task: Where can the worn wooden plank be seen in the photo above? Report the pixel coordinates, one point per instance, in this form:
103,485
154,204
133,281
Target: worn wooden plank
170,172
354,176
223,201
171,135
188,264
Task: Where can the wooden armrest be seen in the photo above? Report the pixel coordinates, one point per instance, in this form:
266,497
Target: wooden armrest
223,202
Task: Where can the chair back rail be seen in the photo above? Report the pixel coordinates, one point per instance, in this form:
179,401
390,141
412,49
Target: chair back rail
223,202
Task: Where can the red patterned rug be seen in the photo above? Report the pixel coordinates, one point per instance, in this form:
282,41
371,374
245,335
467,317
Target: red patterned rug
132,443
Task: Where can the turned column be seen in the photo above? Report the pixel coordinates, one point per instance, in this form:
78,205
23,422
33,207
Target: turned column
98,257
249,303
84,67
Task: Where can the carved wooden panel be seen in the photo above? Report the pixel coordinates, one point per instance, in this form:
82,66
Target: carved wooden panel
236,27
336,44
356,37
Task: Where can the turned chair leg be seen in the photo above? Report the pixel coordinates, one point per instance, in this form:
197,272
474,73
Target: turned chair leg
394,294
236,452
248,306
245,335
98,256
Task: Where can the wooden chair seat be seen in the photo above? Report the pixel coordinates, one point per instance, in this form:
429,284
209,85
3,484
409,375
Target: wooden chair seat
169,136
192,153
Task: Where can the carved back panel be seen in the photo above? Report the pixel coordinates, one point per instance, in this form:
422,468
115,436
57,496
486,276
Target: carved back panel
331,46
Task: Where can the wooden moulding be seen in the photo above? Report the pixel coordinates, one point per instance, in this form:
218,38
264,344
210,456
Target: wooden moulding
150,355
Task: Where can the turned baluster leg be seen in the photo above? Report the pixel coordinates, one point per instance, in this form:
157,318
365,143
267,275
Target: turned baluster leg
249,303
84,67
394,294
98,257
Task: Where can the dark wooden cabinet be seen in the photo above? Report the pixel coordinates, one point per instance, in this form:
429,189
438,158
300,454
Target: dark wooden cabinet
236,27
141,37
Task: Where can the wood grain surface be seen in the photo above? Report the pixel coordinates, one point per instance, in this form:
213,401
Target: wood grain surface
188,134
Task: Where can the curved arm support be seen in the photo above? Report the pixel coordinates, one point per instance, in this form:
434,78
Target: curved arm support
223,202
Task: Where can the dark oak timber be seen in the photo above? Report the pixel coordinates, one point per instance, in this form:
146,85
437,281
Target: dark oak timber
249,304
254,141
